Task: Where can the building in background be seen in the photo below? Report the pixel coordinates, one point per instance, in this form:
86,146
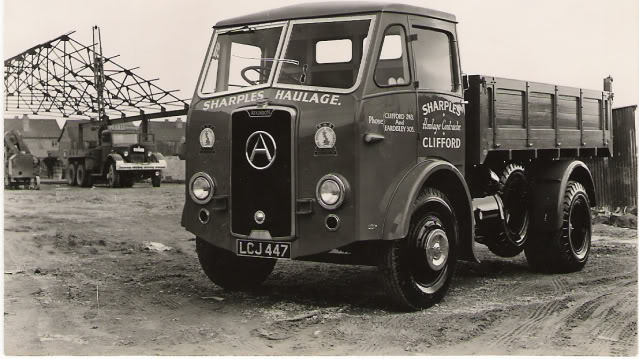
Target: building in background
169,136
40,135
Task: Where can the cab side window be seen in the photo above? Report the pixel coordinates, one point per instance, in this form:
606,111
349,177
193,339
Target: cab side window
392,64
433,60
106,137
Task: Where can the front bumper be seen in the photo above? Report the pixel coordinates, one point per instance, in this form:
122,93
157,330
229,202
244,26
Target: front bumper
126,166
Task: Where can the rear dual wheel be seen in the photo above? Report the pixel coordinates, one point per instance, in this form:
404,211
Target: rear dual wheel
514,190
71,175
83,178
417,270
568,249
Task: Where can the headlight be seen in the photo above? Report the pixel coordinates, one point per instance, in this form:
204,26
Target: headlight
126,153
331,191
201,188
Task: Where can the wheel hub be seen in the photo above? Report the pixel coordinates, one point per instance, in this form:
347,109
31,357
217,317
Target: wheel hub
436,249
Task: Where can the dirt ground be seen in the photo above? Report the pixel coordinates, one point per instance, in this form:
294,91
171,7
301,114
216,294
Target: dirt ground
78,281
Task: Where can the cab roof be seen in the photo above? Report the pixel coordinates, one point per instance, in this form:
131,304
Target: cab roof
333,8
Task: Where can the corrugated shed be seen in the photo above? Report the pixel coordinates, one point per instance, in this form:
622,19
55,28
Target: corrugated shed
616,178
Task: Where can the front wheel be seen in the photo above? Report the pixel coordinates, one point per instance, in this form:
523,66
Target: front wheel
113,176
156,180
230,271
566,250
417,270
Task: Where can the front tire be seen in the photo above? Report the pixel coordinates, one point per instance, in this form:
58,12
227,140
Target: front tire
230,271
113,176
568,249
156,180
417,270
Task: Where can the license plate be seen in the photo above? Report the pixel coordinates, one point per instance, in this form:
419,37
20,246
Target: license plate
138,149
265,249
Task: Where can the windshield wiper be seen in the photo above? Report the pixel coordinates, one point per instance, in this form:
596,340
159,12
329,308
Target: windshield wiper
243,29
286,61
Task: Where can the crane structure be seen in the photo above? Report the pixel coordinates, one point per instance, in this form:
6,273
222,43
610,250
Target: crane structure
69,79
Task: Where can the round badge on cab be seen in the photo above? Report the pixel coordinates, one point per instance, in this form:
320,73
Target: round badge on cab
325,136
207,138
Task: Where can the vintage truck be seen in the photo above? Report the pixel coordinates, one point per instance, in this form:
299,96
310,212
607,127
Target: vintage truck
121,155
347,133
21,168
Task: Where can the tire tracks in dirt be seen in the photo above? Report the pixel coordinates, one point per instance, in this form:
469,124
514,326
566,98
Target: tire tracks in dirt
528,325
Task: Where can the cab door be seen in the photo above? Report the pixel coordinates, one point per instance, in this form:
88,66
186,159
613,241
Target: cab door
441,121
387,123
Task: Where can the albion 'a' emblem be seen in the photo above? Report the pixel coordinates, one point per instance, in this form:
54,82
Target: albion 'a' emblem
260,150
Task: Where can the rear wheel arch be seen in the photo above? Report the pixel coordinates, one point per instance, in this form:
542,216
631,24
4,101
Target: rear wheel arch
550,180
580,173
442,176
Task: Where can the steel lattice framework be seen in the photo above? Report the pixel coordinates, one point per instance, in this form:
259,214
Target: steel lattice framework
64,77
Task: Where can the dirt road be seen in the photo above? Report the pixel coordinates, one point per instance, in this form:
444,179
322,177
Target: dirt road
79,281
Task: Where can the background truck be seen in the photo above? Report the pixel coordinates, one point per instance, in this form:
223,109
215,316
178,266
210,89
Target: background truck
21,168
347,133
120,156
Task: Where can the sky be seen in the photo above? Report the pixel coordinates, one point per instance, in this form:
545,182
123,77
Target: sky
564,42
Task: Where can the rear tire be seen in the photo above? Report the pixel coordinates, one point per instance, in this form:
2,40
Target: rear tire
566,250
71,175
82,177
230,271
514,191
417,270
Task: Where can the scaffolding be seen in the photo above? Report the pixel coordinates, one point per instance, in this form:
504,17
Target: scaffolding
67,78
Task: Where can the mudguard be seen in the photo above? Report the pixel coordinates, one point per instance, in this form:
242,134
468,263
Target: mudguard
445,177
157,156
549,184
111,157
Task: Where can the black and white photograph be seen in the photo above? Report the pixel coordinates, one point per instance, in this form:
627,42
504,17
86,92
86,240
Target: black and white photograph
305,178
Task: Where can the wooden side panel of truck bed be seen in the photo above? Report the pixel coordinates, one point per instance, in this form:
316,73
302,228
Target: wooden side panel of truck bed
511,118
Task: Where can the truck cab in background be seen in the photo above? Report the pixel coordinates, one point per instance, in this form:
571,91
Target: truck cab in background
346,133
121,156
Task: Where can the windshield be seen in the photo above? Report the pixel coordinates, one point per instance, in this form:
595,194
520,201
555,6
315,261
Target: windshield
124,138
241,58
329,53
318,53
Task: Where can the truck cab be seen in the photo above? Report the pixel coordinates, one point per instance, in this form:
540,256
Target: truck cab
331,130
127,142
